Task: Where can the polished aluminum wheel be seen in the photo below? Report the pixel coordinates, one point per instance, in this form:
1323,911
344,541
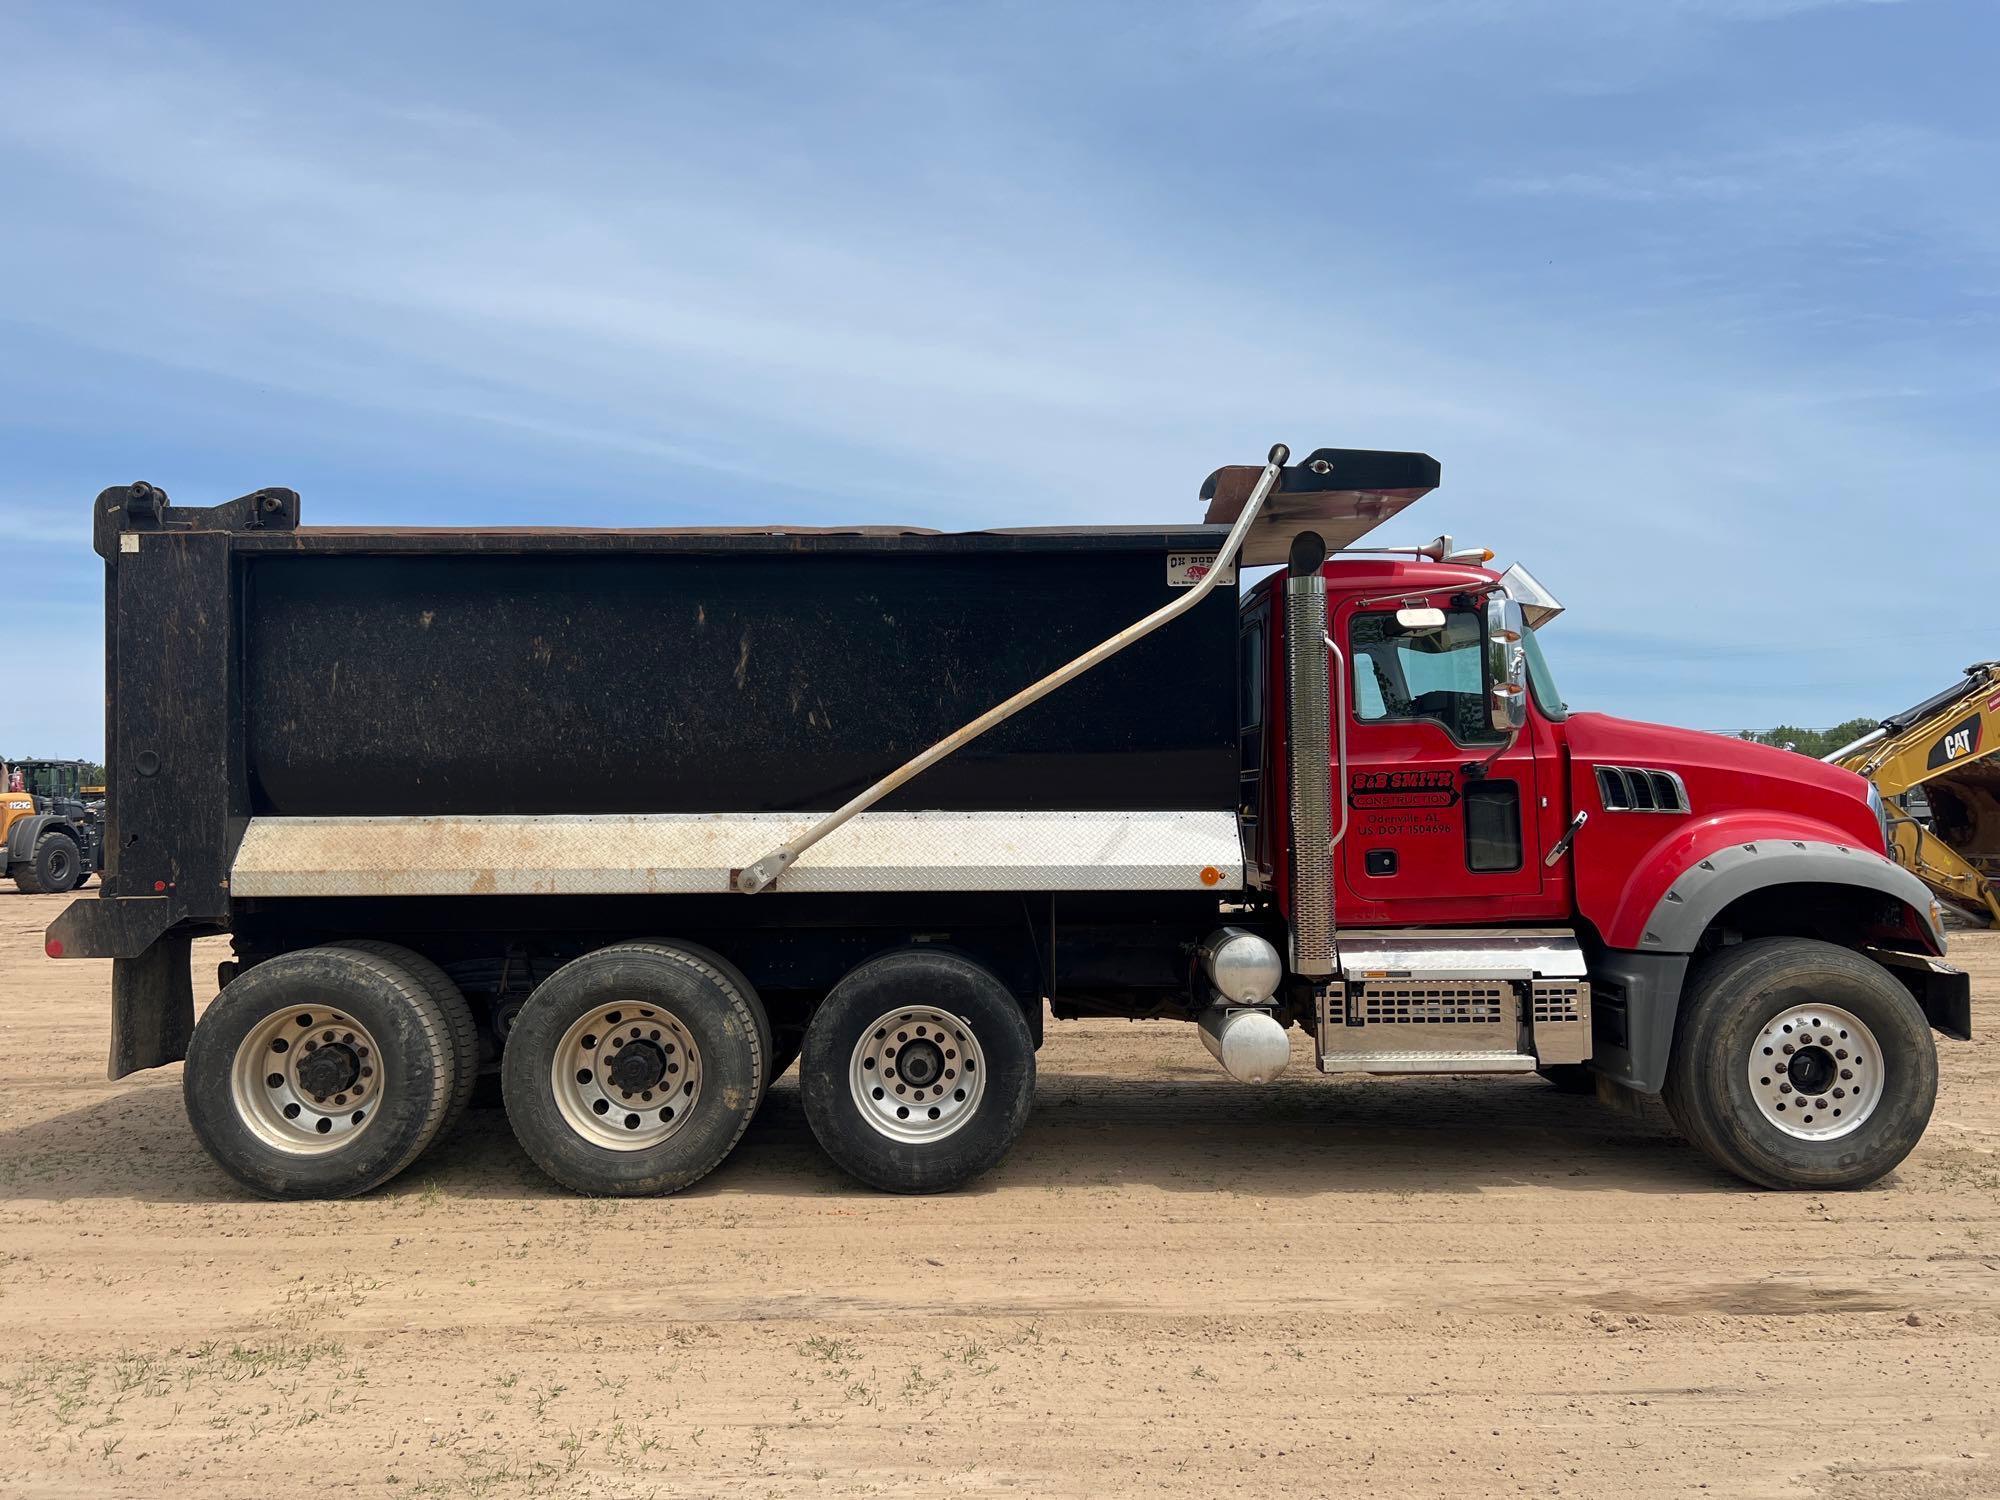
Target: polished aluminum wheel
1816,1072
306,1081
917,1074
626,1076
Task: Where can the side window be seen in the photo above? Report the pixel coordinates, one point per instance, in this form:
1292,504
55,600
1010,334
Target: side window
1250,678
1493,826
1440,677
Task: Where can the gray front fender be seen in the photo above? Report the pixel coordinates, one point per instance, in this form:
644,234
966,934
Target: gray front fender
1704,890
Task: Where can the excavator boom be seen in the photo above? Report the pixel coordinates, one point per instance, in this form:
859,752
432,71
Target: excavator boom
1948,749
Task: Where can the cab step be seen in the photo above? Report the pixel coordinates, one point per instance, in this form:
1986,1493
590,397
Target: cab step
1447,1001
1429,1062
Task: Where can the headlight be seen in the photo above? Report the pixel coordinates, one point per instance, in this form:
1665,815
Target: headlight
1881,814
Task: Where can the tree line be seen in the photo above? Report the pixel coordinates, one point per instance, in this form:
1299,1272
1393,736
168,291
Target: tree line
1813,742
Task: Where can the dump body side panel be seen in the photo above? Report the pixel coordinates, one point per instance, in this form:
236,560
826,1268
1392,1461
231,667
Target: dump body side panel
679,683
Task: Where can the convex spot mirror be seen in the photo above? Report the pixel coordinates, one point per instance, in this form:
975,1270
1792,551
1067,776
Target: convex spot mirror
1506,664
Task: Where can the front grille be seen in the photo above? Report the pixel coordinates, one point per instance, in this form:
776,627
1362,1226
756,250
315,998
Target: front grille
1637,789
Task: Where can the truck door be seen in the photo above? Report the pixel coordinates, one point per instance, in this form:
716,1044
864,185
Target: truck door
1426,840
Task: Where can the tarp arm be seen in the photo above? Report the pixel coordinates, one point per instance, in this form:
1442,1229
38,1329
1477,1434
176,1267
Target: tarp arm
757,876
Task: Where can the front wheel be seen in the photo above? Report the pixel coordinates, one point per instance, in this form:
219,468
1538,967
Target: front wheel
1800,1064
918,1071
55,865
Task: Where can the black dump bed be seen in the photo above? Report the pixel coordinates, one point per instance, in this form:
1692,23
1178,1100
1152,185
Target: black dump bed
605,673
261,670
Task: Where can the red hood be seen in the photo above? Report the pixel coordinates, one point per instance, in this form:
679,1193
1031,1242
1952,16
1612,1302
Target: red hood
1724,774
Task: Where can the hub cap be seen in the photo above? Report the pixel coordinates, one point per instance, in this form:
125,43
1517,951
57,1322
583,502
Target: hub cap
626,1076
917,1074
306,1081
1816,1072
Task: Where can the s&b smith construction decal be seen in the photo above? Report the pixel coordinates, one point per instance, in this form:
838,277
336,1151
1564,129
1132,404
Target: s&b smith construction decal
1404,804
1382,789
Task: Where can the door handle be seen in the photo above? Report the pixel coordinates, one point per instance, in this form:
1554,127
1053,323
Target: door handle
1561,846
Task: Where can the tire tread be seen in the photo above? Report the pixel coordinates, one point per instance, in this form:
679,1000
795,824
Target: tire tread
460,1028
1750,968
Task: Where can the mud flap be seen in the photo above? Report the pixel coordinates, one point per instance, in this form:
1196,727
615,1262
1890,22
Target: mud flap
152,1006
1943,993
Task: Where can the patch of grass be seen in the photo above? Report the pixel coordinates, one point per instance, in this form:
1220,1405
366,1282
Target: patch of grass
829,1350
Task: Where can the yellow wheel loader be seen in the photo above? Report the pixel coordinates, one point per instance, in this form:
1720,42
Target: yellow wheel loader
51,836
1943,756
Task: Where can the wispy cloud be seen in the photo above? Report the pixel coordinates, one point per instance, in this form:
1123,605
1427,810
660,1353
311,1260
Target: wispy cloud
967,267
1821,166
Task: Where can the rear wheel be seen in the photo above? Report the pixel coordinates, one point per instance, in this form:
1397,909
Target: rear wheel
55,865
634,1070
462,1031
319,1074
1800,1064
746,989
918,1071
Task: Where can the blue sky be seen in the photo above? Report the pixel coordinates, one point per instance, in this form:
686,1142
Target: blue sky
1696,300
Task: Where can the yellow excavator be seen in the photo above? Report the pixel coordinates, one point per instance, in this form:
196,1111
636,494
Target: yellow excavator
1937,767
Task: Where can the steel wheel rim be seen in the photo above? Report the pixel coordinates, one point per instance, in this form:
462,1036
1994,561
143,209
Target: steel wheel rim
1816,1072
943,1087
620,1099
307,1080
62,868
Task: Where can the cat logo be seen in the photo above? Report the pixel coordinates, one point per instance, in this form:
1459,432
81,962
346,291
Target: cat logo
1960,742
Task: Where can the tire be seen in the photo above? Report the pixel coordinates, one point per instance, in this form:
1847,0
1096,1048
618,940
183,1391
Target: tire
700,1044
746,989
1570,1078
1836,1110
462,1029
54,865
921,1142
378,1015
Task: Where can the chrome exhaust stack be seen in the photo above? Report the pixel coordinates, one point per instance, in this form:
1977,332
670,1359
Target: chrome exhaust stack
1309,738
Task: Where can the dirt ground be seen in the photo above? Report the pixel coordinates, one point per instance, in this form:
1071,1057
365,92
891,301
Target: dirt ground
1176,1284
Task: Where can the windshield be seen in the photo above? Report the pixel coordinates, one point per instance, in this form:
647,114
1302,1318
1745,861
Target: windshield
1541,681
47,781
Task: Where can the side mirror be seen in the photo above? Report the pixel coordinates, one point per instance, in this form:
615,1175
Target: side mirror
1506,665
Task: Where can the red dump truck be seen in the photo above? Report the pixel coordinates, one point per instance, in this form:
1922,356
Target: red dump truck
636,818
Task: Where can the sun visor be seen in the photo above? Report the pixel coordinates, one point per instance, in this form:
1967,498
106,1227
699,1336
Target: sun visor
1341,493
